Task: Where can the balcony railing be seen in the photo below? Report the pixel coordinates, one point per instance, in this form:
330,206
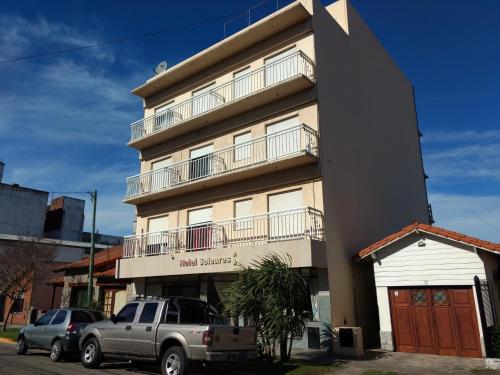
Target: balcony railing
245,231
259,151
269,75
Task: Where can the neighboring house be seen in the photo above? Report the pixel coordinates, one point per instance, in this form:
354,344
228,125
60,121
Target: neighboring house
297,135
437,291
26,217
109,293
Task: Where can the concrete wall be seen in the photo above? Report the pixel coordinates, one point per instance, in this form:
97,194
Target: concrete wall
22,210
373,182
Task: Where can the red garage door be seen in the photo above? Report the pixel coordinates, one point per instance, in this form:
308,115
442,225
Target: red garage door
435,321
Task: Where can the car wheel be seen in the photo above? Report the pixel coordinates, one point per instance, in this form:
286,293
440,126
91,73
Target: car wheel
91,354
174,362
22,346
56,351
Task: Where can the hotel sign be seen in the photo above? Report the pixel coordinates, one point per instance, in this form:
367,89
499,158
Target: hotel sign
208,261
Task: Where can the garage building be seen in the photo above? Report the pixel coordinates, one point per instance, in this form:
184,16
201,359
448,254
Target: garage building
437,290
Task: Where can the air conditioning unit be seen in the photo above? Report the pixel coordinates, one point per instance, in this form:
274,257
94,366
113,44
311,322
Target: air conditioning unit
348,341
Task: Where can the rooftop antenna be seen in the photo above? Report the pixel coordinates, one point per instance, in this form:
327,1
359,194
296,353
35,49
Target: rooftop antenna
161,67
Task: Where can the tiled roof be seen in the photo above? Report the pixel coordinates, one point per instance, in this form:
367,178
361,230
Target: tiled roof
426,228
101,258
108,273
57,281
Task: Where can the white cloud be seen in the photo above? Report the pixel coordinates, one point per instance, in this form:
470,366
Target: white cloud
463,155
20,36
466,136
477,216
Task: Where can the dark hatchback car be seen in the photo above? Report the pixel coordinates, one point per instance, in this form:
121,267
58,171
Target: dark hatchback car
57,331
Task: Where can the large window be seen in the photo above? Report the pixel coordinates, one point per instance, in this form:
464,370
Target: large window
205,99
283,138
242,147
242,83
243,209
200,230
281,67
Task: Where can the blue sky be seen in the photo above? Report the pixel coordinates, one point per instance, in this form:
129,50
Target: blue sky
65,119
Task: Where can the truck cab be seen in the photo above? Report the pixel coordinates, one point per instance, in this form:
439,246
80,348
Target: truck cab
175,331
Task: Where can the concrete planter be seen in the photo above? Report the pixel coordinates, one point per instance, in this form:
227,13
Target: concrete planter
492,363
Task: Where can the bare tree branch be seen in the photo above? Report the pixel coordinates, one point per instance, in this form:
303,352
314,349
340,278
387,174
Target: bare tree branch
23,264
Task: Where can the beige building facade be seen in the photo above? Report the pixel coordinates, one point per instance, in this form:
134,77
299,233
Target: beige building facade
296,135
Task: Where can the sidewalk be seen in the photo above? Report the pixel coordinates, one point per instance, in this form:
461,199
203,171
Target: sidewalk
399,363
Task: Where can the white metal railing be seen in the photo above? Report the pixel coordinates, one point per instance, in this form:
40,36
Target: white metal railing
258,151
298,223
270,74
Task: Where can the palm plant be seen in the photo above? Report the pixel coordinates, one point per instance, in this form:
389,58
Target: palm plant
273,297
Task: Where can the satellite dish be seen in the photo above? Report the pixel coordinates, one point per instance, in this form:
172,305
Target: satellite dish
161,67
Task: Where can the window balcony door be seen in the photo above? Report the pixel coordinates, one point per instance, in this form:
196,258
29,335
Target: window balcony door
284,222
201,162
200,229
281,142
161,177
280,68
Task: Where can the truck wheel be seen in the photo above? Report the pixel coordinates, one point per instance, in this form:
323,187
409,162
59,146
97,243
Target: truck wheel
91,354
56,351
22,346
174,362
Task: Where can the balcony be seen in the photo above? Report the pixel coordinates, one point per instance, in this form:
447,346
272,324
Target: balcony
226,245
283,77
277,151
251,230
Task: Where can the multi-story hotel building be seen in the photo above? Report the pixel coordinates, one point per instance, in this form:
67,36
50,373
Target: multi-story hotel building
297,135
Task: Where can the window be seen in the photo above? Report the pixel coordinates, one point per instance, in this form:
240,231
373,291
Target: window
193,312
199,233
45,319
201,162
281,67
243,209
242,83
148,313
18,304
163,176
127,314
285,218
242,149
205,99
172,313
283,138
165,116
109,295
60,317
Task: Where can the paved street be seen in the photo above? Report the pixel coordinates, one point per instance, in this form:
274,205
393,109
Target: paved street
38,363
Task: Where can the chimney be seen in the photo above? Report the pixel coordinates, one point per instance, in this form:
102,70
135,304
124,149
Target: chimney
2,165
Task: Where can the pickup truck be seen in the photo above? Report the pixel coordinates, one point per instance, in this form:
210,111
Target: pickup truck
179,332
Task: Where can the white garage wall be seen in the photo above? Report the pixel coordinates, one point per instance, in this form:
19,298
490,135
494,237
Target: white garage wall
439,262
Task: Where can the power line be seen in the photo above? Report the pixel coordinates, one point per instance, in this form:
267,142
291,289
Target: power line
115,41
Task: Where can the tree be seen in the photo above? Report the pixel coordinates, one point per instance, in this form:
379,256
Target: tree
274,298
22,264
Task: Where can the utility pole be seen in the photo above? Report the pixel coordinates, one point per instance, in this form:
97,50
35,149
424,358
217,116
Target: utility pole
90,286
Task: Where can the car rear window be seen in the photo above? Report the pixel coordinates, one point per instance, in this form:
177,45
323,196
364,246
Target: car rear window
193,312
83,316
